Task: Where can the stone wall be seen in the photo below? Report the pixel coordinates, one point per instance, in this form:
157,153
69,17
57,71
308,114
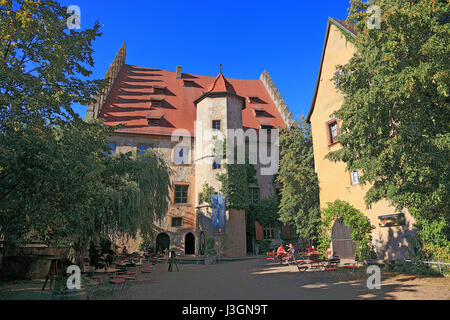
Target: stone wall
18,263
235,234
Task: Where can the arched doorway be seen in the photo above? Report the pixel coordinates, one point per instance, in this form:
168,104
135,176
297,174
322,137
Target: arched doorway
189,244
341,240
162,242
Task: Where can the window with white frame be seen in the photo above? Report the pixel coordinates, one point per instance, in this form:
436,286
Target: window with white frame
355,177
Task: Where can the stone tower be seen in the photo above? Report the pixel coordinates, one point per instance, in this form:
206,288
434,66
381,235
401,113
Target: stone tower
218,110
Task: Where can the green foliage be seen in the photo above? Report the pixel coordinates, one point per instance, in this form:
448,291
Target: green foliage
345,33
207,192
432,240
234,186
300,188
396,111
147,245
264,245
414,267
361,233
58,186
264,211
42,61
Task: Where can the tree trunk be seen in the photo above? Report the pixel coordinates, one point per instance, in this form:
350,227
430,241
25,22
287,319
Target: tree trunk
80,253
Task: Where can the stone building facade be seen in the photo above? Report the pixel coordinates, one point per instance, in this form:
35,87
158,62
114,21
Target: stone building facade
172,112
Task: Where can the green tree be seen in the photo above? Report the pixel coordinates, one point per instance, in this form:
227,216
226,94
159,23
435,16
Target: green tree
395,114
396,111
265,211
42,62
60,187
207,192
299,203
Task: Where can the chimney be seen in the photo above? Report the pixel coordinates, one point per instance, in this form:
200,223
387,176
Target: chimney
178,72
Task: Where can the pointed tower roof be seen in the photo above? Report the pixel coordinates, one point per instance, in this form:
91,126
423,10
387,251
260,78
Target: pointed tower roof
220,87
221,84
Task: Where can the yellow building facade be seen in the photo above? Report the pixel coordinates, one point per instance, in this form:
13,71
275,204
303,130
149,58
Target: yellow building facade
335,182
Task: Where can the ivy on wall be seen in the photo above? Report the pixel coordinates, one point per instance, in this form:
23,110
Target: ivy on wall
207,192
345,33
361,228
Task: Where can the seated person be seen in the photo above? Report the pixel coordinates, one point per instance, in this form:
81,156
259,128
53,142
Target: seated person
291,250
281,251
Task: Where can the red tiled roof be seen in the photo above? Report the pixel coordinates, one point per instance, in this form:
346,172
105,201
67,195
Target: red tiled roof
350,26
155,114
221,84
129,100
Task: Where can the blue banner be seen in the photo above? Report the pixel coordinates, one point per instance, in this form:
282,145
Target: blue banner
218,211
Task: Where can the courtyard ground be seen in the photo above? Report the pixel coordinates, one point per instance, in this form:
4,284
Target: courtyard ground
252,279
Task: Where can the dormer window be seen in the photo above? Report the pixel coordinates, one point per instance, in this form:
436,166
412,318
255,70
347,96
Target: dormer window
260,113
154,117
159,89
254,100
154,122
156,103
188,83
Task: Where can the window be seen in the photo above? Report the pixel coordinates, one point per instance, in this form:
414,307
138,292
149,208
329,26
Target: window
337,74
216,124
355,177
153,123
177,222
260,113
112,151
253,195
255,100
143,147
181,194
332,128
189,83
156,103
158,90
181,155
217,165
269,233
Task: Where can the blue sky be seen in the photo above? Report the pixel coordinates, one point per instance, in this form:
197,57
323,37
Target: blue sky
284,37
